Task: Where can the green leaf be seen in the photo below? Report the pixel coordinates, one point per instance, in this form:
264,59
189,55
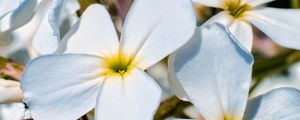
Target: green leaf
3,62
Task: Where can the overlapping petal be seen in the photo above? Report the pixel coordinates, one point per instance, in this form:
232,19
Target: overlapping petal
18,17
136,96
222,17
10,91
8,6
281,25
95,34
49,34
215,71
242,31
54,85
148,32
279,104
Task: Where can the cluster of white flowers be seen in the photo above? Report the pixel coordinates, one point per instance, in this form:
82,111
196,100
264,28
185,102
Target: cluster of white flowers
81,63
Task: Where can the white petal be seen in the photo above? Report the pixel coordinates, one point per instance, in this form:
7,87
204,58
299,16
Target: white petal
54,85
174,83
212,3
255,3
11,111
69,16
8,6
242,31
279,104
47,37
222,17
10,91
56,22
136,97
152,34
19,16
215,71
95,35
281,25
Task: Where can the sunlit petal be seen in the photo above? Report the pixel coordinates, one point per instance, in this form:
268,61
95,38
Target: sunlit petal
135,97
148,32
281,25
242,31
95,34
215,71
54,85
279,104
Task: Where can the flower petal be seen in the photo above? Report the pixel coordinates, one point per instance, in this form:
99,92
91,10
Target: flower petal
281,25
255,3
279,104
215,71
136,97
240,29
49,34
8,6
211,3
10,91
54,85
243,33
174,83
20,16
11,111
222,17
95,35
148,32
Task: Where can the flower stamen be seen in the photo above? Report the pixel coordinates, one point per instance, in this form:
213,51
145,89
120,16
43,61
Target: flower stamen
236,8
117,65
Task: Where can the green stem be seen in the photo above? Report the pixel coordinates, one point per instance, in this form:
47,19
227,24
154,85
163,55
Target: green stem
171,107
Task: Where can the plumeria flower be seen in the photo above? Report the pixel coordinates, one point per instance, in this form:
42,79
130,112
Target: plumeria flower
99,71
281,25
59,17
14,14
213,71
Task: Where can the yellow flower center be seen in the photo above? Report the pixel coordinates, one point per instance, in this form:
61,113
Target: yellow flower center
117,65
235,8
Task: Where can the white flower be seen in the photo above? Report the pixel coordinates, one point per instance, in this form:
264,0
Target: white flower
14,14
213,71
281,25
108,74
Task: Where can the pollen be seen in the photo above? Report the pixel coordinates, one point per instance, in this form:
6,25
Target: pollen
117,65
235,8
